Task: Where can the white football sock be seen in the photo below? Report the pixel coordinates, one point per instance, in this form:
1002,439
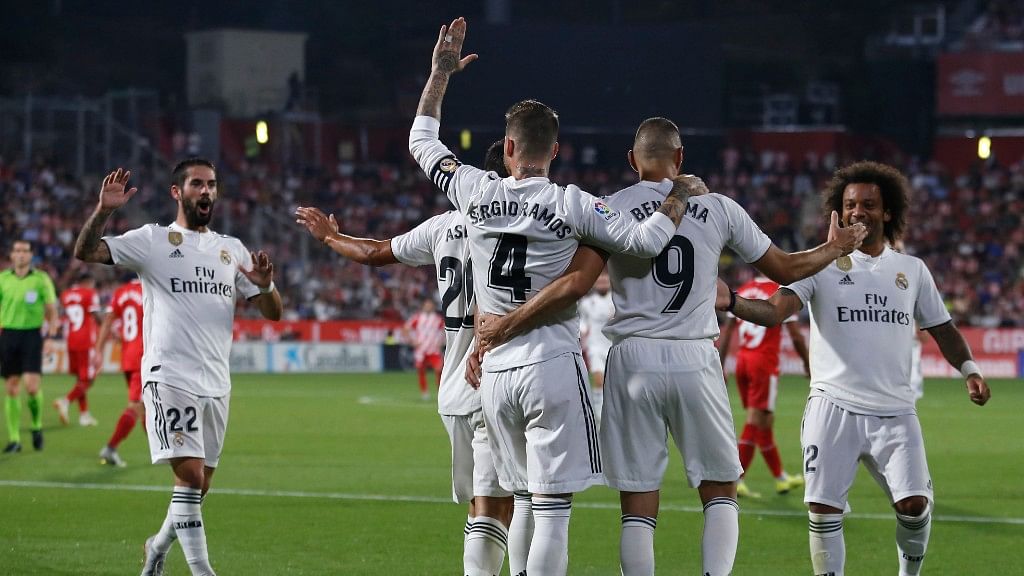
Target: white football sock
912,534
721,535
828,549
520,533
485,547
636,545
187,517
549,550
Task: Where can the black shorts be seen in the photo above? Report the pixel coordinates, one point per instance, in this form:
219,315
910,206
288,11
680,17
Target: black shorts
21,351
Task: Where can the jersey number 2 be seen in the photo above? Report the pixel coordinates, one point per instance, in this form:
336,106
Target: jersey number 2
673,268
508,267
451,269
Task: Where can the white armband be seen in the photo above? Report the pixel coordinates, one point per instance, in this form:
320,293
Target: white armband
270,288
970,367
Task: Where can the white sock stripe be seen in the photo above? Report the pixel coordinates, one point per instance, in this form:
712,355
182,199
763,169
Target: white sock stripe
913,522
495,533
645,520
522,495
720,501
543,504
825,527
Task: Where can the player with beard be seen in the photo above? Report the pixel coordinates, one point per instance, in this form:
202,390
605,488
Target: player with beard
192,278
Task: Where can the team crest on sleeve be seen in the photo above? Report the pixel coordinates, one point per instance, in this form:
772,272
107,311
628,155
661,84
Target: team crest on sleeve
901,281
844,263
443,172
174,237
604,211
225,257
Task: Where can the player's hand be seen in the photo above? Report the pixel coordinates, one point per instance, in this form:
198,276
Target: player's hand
847,238
112,192
978,389
723,295
690,184
490,332
447,58
48,346
97,363
473,370
262,273
319,224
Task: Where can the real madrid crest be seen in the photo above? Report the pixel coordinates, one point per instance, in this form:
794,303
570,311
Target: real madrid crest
225,257
179,440
844,263
174,238
901,281
449,165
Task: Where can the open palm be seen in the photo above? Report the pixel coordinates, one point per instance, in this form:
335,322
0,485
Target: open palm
113,193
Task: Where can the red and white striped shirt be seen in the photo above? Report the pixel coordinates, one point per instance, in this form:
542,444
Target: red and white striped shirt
427,330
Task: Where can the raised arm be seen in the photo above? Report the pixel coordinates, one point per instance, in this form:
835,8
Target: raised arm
572,285
786,268
771,312
90,247
362,250
446,60
958,353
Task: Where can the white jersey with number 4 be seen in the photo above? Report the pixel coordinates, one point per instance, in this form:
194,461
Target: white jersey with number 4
523,234
862,329
190,284
672,296
443,242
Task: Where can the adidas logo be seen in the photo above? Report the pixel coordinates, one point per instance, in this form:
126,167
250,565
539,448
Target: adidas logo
846,281
177,254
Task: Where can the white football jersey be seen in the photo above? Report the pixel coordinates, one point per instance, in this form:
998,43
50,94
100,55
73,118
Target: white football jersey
672,296
443,242
595,312
190,284
523,234
862,329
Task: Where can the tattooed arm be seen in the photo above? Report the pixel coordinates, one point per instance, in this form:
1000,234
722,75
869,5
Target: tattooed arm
683,186
445,62
771,312
113,194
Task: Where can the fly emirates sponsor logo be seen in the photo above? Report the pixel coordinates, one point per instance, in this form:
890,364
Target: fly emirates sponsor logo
205,282
876,310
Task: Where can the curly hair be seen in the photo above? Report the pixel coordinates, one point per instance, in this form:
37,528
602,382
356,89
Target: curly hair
894,187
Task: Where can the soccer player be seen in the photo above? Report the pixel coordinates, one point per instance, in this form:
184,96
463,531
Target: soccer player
125,310
757,379
664,374
596,309
192,278
442,241
81,306
426,331
861,405
27,297
523,232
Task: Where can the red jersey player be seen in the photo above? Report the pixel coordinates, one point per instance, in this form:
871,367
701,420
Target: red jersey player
757,377
81,306
126,310
426,331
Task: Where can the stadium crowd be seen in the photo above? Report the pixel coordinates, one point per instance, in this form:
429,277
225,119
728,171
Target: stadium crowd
966,226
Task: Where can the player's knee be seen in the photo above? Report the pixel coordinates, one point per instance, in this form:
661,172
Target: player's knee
912,506
817,508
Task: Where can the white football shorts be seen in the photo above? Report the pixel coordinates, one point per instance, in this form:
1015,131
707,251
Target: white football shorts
654,388
834,440
473,472
541,426
183,425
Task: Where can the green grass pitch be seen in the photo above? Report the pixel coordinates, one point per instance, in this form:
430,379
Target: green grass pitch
348,474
